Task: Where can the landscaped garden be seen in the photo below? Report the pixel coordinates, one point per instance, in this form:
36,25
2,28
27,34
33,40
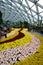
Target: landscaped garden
24,49
21,32
34,59
5,43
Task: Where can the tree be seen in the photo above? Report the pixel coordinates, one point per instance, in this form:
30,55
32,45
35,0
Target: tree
25,24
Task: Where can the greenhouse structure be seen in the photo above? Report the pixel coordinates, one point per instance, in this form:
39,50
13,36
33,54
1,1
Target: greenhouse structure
21,32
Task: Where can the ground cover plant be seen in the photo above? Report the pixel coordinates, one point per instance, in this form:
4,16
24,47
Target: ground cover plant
34,59
19,42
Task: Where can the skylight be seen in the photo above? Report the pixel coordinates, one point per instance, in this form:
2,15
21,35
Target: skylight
29,8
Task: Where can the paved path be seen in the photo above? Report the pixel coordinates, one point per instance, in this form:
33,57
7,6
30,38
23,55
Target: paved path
10,56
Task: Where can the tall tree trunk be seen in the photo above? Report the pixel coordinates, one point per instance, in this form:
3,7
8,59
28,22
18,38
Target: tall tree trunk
1,18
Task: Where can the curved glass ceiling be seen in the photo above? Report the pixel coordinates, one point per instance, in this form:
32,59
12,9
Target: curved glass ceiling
22,10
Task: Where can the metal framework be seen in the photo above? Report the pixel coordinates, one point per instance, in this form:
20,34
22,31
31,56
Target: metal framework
18,10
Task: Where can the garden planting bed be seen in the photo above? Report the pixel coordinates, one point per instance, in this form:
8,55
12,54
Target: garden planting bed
10,36
16,36
10,56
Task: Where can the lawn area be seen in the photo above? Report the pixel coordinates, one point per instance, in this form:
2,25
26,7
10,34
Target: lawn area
34,59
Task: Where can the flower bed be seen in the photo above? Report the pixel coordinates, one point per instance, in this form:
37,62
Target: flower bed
34,59
20,42
10,35
10,56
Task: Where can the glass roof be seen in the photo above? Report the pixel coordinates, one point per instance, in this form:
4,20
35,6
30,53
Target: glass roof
22,10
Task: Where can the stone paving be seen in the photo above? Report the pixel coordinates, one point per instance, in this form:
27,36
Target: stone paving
10,56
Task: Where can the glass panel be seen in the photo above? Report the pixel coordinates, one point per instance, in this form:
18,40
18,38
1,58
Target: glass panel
41,14
40,2
21,7
36,16
34,8
30,3
24,13
18,4
28,10
39,18
33,13
4,1
24,2
40,9
42,21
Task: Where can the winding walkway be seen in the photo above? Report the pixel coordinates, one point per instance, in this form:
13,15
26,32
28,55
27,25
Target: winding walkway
10,56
